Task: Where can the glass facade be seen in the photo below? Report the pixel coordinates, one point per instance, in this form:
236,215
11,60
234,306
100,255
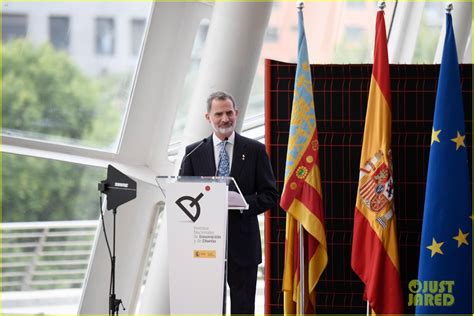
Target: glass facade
68,72
59,32
13,26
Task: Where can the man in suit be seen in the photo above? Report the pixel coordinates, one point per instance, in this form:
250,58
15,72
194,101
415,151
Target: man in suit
247,161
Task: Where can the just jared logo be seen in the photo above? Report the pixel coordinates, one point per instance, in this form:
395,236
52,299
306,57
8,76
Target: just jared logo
194,209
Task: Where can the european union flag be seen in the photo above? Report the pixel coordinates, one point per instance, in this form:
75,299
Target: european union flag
444,274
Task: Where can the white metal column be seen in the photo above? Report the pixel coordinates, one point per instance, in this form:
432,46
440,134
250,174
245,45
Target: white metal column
468,52
404,32
159,83
229,60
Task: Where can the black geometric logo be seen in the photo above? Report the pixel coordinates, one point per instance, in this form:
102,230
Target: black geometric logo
194,202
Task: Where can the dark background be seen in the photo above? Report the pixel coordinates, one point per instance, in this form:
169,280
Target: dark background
340,98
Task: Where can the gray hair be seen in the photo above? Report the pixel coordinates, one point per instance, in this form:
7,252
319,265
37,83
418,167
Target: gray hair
219,95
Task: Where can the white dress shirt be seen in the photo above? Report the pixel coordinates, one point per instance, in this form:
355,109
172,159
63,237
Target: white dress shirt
229,148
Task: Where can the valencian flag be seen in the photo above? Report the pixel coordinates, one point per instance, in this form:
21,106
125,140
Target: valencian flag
444,282
374,245
302,196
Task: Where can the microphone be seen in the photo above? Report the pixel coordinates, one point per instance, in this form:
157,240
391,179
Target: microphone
217,169
204,140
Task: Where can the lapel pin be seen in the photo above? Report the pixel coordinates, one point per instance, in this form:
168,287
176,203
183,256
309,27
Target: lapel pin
243,157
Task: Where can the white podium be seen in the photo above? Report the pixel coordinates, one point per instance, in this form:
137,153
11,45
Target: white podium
197,240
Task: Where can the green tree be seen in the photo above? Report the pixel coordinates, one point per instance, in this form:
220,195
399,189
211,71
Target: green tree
36,189
44,92
427,41
349,51
114,97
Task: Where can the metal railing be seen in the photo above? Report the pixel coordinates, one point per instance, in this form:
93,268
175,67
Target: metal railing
51,255
45,255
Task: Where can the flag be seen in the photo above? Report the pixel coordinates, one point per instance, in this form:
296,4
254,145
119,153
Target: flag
444,272
374,245
302,196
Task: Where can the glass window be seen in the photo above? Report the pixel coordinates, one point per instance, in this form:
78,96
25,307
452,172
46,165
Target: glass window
105,36
429,32
36,189
354,33
331,29
191,76
13,26
356,5
336,32
271,35
49,220
199,41
66,96
59,32
138,28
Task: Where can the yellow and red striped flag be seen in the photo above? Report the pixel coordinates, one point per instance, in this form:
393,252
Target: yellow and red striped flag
302,196
375,246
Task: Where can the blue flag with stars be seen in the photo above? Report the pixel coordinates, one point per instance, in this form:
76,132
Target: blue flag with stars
444,273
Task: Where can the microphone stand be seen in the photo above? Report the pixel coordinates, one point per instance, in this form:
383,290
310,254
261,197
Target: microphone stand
203,141
114,303
119,189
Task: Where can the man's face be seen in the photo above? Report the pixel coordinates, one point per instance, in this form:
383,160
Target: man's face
222,117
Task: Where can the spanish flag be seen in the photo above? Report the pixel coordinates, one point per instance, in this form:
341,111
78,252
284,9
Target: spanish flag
374,245
302,196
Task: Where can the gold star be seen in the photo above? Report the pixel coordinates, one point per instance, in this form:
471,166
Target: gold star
434,136
435,248
461,238
459,140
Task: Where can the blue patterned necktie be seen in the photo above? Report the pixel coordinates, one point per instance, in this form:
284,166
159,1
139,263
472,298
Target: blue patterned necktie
223,166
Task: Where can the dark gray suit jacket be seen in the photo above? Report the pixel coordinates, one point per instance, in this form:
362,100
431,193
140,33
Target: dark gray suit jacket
252,171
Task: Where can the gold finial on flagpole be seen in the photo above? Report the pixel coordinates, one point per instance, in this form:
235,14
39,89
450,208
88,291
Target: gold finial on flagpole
381,5
449,8
300,5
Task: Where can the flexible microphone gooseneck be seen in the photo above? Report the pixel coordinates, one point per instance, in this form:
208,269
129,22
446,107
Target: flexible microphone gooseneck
204,140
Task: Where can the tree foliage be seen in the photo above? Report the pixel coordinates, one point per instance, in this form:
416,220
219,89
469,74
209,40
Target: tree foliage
37,189
352,51
44,92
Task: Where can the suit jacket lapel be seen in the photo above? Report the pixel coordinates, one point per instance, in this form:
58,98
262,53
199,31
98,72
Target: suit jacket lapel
238,156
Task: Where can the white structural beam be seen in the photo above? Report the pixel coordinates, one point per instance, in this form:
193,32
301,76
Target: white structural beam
468,52
229,60
165,61
462,22
404,32
155,299
143,154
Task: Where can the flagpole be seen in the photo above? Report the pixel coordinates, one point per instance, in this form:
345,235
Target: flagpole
301,271
449,8
381,5
300,6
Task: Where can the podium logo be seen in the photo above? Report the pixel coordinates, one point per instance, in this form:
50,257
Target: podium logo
204,254
193,204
